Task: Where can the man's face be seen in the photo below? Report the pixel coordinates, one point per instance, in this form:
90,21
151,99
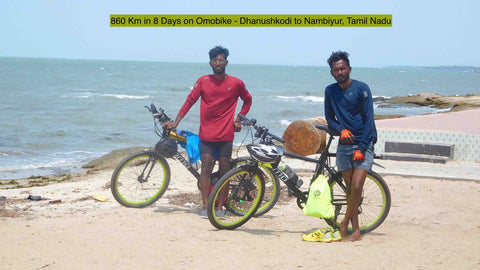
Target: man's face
340,71
218,64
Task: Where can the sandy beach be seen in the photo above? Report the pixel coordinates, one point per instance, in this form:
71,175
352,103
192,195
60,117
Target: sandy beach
433,224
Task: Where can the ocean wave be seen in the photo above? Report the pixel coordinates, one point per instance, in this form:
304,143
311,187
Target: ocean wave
380,97
303,98
28,169
11,153
285,123
35,166
79,154
85,95
88,95
56,163
125,96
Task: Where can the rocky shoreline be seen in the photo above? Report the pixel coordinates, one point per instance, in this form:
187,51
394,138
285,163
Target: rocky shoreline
450,103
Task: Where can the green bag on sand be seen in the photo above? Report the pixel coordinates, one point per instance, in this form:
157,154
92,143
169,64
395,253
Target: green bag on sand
319,202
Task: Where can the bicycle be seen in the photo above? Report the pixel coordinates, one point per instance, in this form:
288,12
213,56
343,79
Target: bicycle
141,178
374,205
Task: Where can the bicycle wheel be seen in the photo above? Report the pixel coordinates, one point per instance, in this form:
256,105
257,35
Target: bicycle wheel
272,186
140,179
243,190
374,204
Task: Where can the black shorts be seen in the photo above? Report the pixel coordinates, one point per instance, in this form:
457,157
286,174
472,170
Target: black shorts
217,149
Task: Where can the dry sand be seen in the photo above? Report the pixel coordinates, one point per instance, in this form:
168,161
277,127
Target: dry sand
433,224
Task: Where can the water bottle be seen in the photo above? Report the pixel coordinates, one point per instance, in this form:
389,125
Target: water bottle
292,176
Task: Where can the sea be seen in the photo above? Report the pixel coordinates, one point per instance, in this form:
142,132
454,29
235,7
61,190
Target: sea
59,114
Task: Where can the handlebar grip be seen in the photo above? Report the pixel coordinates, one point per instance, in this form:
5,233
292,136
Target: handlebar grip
277,138
327,129
153,108
244,120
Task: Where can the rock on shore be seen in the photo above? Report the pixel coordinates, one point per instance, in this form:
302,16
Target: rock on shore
111,160
455,103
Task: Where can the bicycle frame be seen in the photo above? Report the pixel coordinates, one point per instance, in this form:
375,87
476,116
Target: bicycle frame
187,165
322,162
163,118
322,165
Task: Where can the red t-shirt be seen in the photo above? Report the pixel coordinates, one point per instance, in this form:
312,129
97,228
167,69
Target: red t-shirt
217,106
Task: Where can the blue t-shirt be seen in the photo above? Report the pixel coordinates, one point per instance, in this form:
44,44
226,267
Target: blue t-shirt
351,109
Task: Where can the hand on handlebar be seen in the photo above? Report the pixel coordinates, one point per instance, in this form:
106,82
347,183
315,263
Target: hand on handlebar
243,120
169,125
237,125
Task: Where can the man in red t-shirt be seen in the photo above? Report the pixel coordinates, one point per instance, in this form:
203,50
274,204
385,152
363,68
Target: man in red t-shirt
219,94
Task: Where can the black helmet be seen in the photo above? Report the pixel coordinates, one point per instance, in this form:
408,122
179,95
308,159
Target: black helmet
166,147
267,153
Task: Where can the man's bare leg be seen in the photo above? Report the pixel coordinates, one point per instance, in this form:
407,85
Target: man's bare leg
347,177
205,177
353,200
358,180
223,168
356,235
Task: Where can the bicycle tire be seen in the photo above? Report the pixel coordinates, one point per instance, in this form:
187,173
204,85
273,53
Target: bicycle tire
245,189
272,186
374,205
131,188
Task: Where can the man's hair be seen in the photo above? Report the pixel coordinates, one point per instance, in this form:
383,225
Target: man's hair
337,56
218,50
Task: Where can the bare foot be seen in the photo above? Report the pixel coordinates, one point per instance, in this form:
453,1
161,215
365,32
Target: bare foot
346,239
356,236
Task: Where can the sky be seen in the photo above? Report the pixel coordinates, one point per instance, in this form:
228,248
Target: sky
424,33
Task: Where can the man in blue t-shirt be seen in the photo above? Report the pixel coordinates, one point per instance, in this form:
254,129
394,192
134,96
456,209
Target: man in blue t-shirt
349,111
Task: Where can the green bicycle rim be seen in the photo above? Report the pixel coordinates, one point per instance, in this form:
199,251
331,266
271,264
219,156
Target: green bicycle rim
151,197
379,214
266,167
383,205
248,213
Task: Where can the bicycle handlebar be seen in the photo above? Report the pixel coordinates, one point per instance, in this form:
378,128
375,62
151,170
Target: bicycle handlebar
163,118
262,132
159,114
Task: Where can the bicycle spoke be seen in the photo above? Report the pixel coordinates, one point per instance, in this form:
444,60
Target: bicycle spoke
140,180
374,204
244,195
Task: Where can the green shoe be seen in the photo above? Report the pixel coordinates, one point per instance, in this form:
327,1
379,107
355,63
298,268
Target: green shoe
317,236
326,238
312,237
336,236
